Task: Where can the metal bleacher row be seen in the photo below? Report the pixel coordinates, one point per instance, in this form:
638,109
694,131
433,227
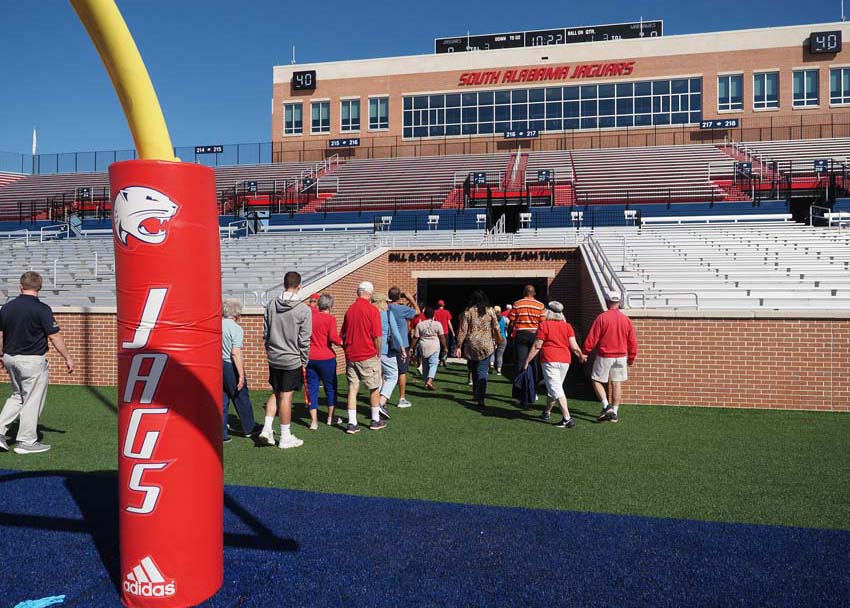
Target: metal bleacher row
666,174
81,272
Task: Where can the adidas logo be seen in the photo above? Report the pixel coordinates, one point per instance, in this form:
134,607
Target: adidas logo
147,581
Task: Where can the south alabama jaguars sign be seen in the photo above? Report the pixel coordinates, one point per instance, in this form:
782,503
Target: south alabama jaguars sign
168,279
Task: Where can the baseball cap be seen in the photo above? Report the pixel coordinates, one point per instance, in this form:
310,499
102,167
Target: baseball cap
508,306
612,296
315,296
366,286
441,303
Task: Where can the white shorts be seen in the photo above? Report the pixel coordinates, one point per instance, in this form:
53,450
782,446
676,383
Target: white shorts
554,375
615,369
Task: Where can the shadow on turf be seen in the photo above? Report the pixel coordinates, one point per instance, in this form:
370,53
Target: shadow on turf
96,496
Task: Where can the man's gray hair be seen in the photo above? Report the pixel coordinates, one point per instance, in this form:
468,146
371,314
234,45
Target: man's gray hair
326,301
230,309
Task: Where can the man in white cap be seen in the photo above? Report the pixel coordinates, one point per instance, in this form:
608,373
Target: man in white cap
361,340
613,336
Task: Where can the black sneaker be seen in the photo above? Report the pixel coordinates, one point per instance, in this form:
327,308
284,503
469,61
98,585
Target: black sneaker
545,416
566,423
384,411
227,439
377,425
609,416
352,429
603,416
613,417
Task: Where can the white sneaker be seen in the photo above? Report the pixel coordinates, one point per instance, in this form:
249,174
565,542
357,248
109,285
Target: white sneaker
32,448
289,441
403,403
267,436
3,445
314,426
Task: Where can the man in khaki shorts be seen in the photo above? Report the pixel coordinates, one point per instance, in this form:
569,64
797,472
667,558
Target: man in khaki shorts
361,340
613,336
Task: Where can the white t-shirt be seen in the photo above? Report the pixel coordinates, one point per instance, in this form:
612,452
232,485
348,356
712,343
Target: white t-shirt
428,332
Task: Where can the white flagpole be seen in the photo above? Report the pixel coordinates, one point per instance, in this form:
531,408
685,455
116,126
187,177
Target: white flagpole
34,141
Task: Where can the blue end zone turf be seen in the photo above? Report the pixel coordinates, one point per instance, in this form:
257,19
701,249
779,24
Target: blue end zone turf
298,548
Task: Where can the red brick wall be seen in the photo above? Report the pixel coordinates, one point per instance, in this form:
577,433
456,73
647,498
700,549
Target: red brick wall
764,363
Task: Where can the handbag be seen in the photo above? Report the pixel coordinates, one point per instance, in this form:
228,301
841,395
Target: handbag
497,335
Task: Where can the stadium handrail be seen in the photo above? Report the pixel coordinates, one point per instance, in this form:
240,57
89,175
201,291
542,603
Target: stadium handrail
719,219
602,270
54,229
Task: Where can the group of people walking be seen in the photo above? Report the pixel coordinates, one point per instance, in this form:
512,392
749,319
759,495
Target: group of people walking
382,334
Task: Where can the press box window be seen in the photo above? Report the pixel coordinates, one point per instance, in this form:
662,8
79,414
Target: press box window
379,113
350,113
730,94
765,90
320,117
805,87
293,123
839,86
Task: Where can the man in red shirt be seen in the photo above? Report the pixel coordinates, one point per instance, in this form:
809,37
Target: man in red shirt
361,340
444,318
613,336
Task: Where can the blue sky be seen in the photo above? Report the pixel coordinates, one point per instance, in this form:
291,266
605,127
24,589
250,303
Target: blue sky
211,60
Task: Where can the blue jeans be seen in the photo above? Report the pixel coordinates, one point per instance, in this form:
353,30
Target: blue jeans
479,371
240,398
429,365
324,371
389,374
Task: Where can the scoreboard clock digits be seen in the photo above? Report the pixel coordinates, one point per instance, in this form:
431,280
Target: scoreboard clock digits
304,81
825,42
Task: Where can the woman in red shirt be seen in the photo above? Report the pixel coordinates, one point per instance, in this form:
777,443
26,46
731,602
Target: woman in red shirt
322,363
555,340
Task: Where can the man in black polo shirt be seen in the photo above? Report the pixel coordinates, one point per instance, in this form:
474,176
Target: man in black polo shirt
26,326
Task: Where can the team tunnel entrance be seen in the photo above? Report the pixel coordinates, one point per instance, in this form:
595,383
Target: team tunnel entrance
500,291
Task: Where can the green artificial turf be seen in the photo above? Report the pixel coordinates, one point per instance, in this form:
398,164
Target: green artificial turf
749,466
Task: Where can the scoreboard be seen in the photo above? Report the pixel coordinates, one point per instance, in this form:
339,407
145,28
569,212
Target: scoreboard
512,40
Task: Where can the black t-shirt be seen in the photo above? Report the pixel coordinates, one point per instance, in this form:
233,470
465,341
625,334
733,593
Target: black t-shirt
26,322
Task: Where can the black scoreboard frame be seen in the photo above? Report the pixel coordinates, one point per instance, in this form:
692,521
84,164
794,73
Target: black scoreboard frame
550,37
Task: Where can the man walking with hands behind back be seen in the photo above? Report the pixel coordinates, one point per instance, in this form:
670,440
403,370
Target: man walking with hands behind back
27,324
613,335
404,308
288,325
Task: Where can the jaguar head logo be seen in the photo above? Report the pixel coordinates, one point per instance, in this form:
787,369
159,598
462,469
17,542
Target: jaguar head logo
142,213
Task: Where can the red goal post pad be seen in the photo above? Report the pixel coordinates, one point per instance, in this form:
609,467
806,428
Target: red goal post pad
168,283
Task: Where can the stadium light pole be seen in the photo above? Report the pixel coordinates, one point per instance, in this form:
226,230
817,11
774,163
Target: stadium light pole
168,284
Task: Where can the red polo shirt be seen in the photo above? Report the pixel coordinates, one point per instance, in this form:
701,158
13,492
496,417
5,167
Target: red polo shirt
360,327
443,316
324,335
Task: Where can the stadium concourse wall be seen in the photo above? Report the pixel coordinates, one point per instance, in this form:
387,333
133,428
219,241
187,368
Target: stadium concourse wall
769,359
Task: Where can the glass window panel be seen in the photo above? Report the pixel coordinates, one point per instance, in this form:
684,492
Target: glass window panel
553,94
517,125
588,108
606,107
696,117
485,98
553,110
503,112
501,127
469,115
643,88
452,129
420,132
625,89
419,103
469,129
453,115
656,104
588,92
643,120
571,109
643,105
436,101
469,99
485,113
606,122
536,94
453,101
696,85
660,87
679,86
408,132
485,127
503,97
519,96
625,106
536,110
588,123
436,131
554,124
519,111
661,119
571,123
606,90
538,125
772,85
408,119
680,118
570,93
625,121
408,103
